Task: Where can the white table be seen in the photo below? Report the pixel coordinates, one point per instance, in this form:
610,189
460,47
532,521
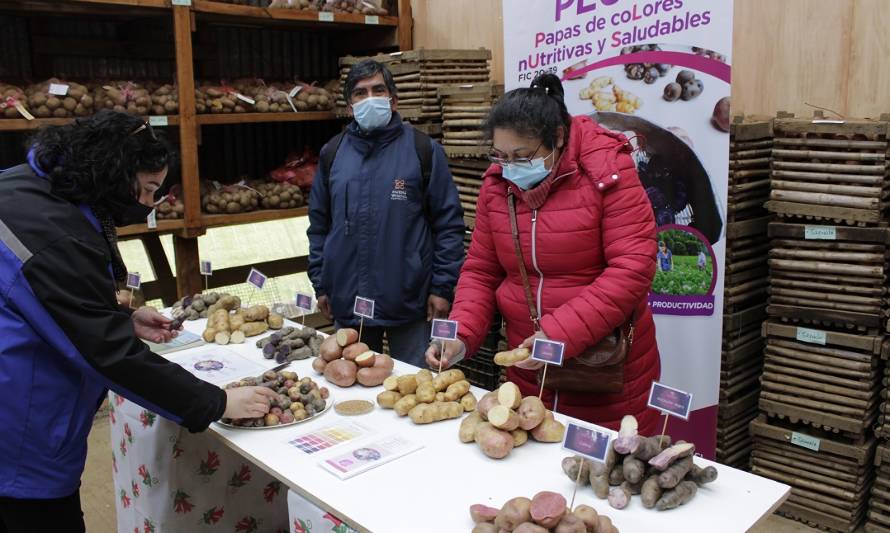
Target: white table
431,490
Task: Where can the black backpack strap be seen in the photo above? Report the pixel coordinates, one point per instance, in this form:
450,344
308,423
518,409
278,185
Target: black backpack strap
326,158
423,145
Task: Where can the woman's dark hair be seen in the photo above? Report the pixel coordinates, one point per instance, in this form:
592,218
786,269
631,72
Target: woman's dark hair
97,157
537,112
364,70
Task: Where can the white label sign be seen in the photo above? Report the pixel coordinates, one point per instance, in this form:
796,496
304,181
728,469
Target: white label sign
811,336
58,89
821,233
158,121
243,98
372,19
805,441
186,3
153,219
325,16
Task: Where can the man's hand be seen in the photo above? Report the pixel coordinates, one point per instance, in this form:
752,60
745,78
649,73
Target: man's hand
437,307
152,326
248,402
324,305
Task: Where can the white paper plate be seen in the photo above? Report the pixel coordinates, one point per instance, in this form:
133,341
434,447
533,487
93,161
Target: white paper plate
329,403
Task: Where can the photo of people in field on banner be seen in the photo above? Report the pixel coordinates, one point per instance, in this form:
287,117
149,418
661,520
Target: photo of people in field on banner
658,72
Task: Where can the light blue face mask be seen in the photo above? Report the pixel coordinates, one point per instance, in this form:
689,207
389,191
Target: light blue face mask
526,177
373,112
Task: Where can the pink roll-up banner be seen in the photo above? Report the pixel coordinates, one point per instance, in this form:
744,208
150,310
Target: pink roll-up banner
658,71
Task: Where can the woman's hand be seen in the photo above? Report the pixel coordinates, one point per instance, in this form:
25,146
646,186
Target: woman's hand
153,326
530,364
454,352
248,402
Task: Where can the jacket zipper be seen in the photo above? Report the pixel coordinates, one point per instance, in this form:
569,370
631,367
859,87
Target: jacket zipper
347,209
535,260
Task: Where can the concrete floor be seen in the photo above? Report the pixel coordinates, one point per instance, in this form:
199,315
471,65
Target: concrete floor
97,489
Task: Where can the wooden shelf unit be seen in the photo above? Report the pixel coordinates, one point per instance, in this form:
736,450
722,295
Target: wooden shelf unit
362,34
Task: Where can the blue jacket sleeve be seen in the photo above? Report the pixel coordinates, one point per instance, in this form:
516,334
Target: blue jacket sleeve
447,225
319,226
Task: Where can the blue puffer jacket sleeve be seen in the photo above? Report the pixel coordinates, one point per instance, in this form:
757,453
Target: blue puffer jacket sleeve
319,226
447,225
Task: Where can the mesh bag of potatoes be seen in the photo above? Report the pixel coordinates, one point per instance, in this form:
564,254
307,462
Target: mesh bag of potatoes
229,199
13,103
278,195
124,96
171,207
164,100
359,7
221,99
59,99
313,98
303,5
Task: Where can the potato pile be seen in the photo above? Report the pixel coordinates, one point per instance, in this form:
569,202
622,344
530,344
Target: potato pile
123,96
343,361
291,344
230,199
170,208
296,401
224,326
504,420
10,95
426,399
547,511
664,476
164,100
359,7
312,98
76,102
216,99
274,195
197,306
303,5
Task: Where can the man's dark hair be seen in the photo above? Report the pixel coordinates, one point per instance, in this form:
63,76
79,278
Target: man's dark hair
536,112
364,70
97,157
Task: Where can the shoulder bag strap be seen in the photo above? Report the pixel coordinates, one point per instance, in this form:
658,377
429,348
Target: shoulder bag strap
514,229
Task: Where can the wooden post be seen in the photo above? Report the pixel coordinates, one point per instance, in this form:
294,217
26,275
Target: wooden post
406,25
188,274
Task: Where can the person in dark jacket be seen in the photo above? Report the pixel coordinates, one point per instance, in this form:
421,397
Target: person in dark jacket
64,340
379,229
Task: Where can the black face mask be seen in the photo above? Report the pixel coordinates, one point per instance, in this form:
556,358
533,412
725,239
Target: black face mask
126,211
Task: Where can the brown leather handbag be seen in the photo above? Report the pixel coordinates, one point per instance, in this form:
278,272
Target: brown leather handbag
600,369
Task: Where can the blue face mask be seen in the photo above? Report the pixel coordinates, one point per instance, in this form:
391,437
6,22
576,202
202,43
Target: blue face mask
526,177
373,113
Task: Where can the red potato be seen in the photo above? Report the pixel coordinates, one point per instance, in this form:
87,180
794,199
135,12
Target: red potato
548,508
504,418
494,442
483,513
371,377
354,350
346,336
329,349
588,515
530,527
381,360
365,360
341,372
486,527
516,511
531,412
571,524
318,365
550,430
509,395
486,403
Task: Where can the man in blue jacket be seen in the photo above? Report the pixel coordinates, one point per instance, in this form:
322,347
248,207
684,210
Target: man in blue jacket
385,221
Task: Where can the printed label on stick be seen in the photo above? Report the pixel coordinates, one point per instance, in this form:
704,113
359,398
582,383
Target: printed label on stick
256,278
206,268
821,233
670,400
812,336
245,99
152,219
550,352
134,280
304,301
586,441
805,441
444,330
363,307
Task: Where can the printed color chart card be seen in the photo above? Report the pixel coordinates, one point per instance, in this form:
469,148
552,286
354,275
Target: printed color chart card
365,457
328,437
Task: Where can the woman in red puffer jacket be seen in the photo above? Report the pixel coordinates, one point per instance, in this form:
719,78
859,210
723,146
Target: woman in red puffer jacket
587,235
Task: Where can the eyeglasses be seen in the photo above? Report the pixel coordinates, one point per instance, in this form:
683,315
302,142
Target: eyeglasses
499,158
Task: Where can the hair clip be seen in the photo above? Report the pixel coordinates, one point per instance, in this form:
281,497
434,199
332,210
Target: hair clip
140,128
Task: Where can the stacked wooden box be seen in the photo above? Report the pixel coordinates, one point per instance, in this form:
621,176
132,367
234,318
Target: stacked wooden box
745,282
419,74
829,480
464,110
825,337
879,506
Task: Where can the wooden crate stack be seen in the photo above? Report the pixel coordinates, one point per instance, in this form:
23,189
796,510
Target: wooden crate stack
879,506
829,480
419,74
464,110
825,337
745,287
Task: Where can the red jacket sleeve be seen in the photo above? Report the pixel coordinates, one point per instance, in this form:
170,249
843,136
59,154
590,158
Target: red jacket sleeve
481,275
629,247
